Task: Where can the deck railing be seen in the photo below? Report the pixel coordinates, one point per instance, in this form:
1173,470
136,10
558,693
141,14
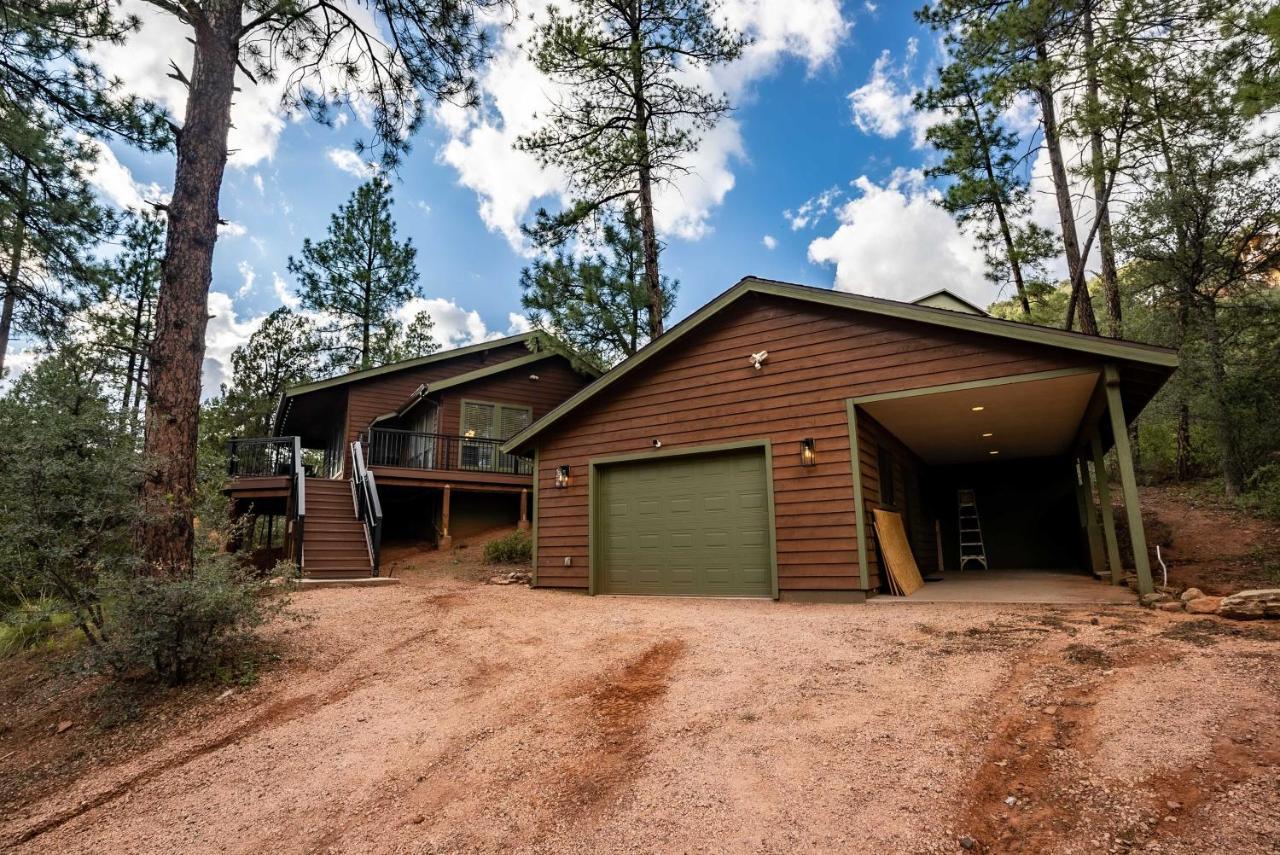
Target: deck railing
368,506
260,457
436,451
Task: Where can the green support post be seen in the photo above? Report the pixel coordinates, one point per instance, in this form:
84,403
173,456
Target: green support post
1108,513
1128,481
1090,518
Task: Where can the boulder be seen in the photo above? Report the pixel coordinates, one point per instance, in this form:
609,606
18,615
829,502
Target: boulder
1251,605
1155,598
1192,594
1174,606
1204,605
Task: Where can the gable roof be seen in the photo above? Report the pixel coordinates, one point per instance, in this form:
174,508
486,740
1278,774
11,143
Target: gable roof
944,299
392,367
1109,348
479,374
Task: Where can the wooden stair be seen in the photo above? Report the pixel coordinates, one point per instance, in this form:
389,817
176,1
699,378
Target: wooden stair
334,545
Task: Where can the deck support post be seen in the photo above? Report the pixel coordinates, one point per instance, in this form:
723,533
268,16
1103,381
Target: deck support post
1128,481
1108,513
1096,560
524,509
446,540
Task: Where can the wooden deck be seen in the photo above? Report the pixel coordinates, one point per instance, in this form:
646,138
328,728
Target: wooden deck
493,482
258,487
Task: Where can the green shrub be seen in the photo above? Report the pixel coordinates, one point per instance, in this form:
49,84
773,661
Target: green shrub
1262,491
195,626
30,623
515,548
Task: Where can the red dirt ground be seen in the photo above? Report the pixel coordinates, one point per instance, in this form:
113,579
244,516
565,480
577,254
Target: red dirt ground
447,715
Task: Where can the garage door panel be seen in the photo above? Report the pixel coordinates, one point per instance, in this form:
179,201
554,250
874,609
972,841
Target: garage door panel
692,526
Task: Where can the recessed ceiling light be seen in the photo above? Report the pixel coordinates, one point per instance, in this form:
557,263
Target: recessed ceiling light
987,434
993,452
978,408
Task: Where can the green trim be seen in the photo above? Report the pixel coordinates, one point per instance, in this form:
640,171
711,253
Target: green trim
943,292
533,517
1108,514
1006,380
593,493
859,512
1095,345
1096,560
472,376
1128,481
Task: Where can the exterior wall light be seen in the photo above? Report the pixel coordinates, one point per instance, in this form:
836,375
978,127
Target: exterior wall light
562,476
808,452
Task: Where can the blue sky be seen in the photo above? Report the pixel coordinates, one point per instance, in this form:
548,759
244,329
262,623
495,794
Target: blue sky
815,179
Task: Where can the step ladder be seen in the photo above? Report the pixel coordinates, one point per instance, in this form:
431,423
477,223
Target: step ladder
971,547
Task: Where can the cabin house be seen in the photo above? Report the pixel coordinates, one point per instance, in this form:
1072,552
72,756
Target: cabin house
409,451
745,452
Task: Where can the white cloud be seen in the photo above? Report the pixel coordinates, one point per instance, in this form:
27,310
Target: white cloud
232,229
509,184
894,241
247,275
257,183
813,210
351,163
116,183
517,323
422,206
224,334
769,241
283,292
882,105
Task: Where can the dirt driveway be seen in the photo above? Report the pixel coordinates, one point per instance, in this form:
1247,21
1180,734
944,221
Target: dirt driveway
449,716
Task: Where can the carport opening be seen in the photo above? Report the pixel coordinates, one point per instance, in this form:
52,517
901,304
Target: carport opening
985,480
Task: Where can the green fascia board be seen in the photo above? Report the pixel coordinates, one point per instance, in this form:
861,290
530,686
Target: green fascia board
982,324
472,376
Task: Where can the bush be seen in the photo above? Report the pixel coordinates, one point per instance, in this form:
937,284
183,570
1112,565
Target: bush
30,623
515,548
1263,490
180,629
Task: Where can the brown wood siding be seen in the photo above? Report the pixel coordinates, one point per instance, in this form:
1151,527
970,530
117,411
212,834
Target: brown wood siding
556,382
703,390
368,399
909,496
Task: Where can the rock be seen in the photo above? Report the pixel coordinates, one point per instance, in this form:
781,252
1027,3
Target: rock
967,842
63,727
1251,605
1011,801
1155,598
1192,594
1175,606
1204,605
419,819
1050,710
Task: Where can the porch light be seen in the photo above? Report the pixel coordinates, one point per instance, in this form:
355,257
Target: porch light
987,434
808,452
979,408
562,476
993,452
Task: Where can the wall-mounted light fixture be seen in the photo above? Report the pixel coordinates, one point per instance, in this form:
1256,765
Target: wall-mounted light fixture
657,443
808,452
562,476
977,408
534,378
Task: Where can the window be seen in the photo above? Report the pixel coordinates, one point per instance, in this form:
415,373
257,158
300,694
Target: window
484,425
884,463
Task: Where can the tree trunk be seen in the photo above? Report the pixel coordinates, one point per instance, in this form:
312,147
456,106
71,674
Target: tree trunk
1228,439
166,535
1101,208
1080,300
1015,266
1182,453
15,269
648,232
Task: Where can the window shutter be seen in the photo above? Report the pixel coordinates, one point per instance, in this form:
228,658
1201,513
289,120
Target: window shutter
513,420
477,420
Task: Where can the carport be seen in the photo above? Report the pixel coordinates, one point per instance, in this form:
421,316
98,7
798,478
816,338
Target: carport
1025,457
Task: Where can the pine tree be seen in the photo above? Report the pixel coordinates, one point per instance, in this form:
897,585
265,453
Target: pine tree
598,304
629,115
399,342
358,276
391,57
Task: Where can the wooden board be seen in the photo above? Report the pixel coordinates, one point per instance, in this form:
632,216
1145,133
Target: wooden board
897,552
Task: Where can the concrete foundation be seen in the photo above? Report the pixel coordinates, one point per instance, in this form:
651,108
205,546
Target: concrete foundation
1015,586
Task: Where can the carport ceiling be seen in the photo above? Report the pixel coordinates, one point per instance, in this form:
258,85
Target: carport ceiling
1037,418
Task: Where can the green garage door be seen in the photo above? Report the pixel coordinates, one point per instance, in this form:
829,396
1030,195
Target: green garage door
688,526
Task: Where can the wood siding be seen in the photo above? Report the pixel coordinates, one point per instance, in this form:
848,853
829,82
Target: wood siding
368,399
908,499
704,390
556,382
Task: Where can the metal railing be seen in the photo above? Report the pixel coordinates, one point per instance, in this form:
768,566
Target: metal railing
364,490
298,501
431,451
261,456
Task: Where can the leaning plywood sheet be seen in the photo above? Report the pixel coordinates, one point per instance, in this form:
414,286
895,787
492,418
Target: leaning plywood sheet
897,552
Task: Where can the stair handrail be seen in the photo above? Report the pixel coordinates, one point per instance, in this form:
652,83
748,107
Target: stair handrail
299,497
368,506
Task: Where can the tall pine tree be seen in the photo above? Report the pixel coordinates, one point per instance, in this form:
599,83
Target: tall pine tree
357,277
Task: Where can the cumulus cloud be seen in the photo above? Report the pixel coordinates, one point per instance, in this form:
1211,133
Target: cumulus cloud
115,182
882,105
283,292
224,334
769,242
509,183
894,241
351,163
517,323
